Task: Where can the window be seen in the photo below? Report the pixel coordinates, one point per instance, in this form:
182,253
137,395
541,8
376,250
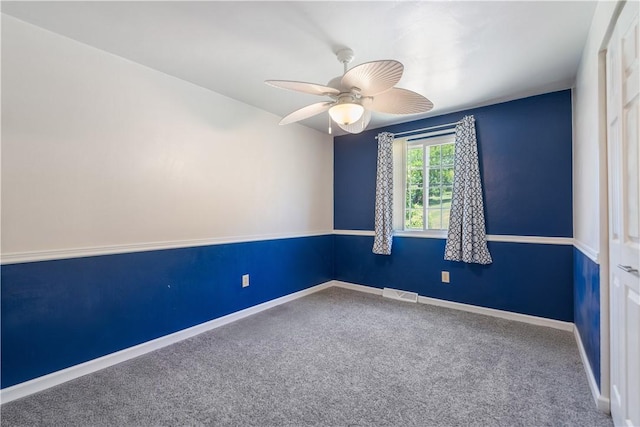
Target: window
426,165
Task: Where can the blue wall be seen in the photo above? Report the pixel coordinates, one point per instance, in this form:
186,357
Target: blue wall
515,281
56,314
586,294
525,161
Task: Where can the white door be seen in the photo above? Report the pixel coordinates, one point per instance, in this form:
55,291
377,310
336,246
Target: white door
623,80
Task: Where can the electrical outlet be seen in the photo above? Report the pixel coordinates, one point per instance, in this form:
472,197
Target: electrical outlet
245,280
445,277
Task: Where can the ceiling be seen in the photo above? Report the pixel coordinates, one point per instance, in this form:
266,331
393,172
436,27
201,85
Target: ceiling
457,54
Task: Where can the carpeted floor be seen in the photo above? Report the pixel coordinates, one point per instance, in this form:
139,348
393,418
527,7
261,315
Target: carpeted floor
337,358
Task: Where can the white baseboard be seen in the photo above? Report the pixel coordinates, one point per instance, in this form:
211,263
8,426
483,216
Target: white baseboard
41,383
359,288
534,320
602,403
518,317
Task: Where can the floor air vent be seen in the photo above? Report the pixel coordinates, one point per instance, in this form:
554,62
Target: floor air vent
400,295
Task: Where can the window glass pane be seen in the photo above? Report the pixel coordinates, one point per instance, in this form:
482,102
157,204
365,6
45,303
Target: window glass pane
445,218
435,195
446,197
414,177
434,177
415,219
414,157
447,176
429,168
447,154
435,219
434,155
415,198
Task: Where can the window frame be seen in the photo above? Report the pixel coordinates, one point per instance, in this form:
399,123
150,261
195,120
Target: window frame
427,139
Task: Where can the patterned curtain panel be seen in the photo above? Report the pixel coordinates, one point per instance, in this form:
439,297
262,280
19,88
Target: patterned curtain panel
384,196
466,237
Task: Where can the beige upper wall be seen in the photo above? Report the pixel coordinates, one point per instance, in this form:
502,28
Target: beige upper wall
100,151
97,150
587,144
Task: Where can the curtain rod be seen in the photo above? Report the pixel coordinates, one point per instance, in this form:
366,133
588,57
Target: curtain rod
424,129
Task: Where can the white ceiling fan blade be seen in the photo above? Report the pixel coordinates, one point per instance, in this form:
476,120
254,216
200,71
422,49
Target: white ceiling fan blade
374,77
360,125
311,88
400,101
306,112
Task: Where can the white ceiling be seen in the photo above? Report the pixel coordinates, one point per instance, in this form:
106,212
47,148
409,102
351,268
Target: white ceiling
458,54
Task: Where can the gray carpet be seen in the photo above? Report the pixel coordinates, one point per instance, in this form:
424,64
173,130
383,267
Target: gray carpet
337,358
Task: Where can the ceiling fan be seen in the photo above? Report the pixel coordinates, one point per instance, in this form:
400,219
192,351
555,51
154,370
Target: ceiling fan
354,95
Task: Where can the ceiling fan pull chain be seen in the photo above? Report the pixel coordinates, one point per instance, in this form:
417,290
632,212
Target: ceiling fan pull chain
329,125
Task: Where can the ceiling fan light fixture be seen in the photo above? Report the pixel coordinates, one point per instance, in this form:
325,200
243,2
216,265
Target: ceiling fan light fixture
360,125
346,113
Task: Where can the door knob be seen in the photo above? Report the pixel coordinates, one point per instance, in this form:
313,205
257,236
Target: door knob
627,268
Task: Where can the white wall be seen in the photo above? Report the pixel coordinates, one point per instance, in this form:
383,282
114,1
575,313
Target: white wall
587,144
98,150
590,171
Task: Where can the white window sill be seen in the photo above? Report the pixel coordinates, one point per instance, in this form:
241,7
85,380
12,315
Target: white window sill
429,234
